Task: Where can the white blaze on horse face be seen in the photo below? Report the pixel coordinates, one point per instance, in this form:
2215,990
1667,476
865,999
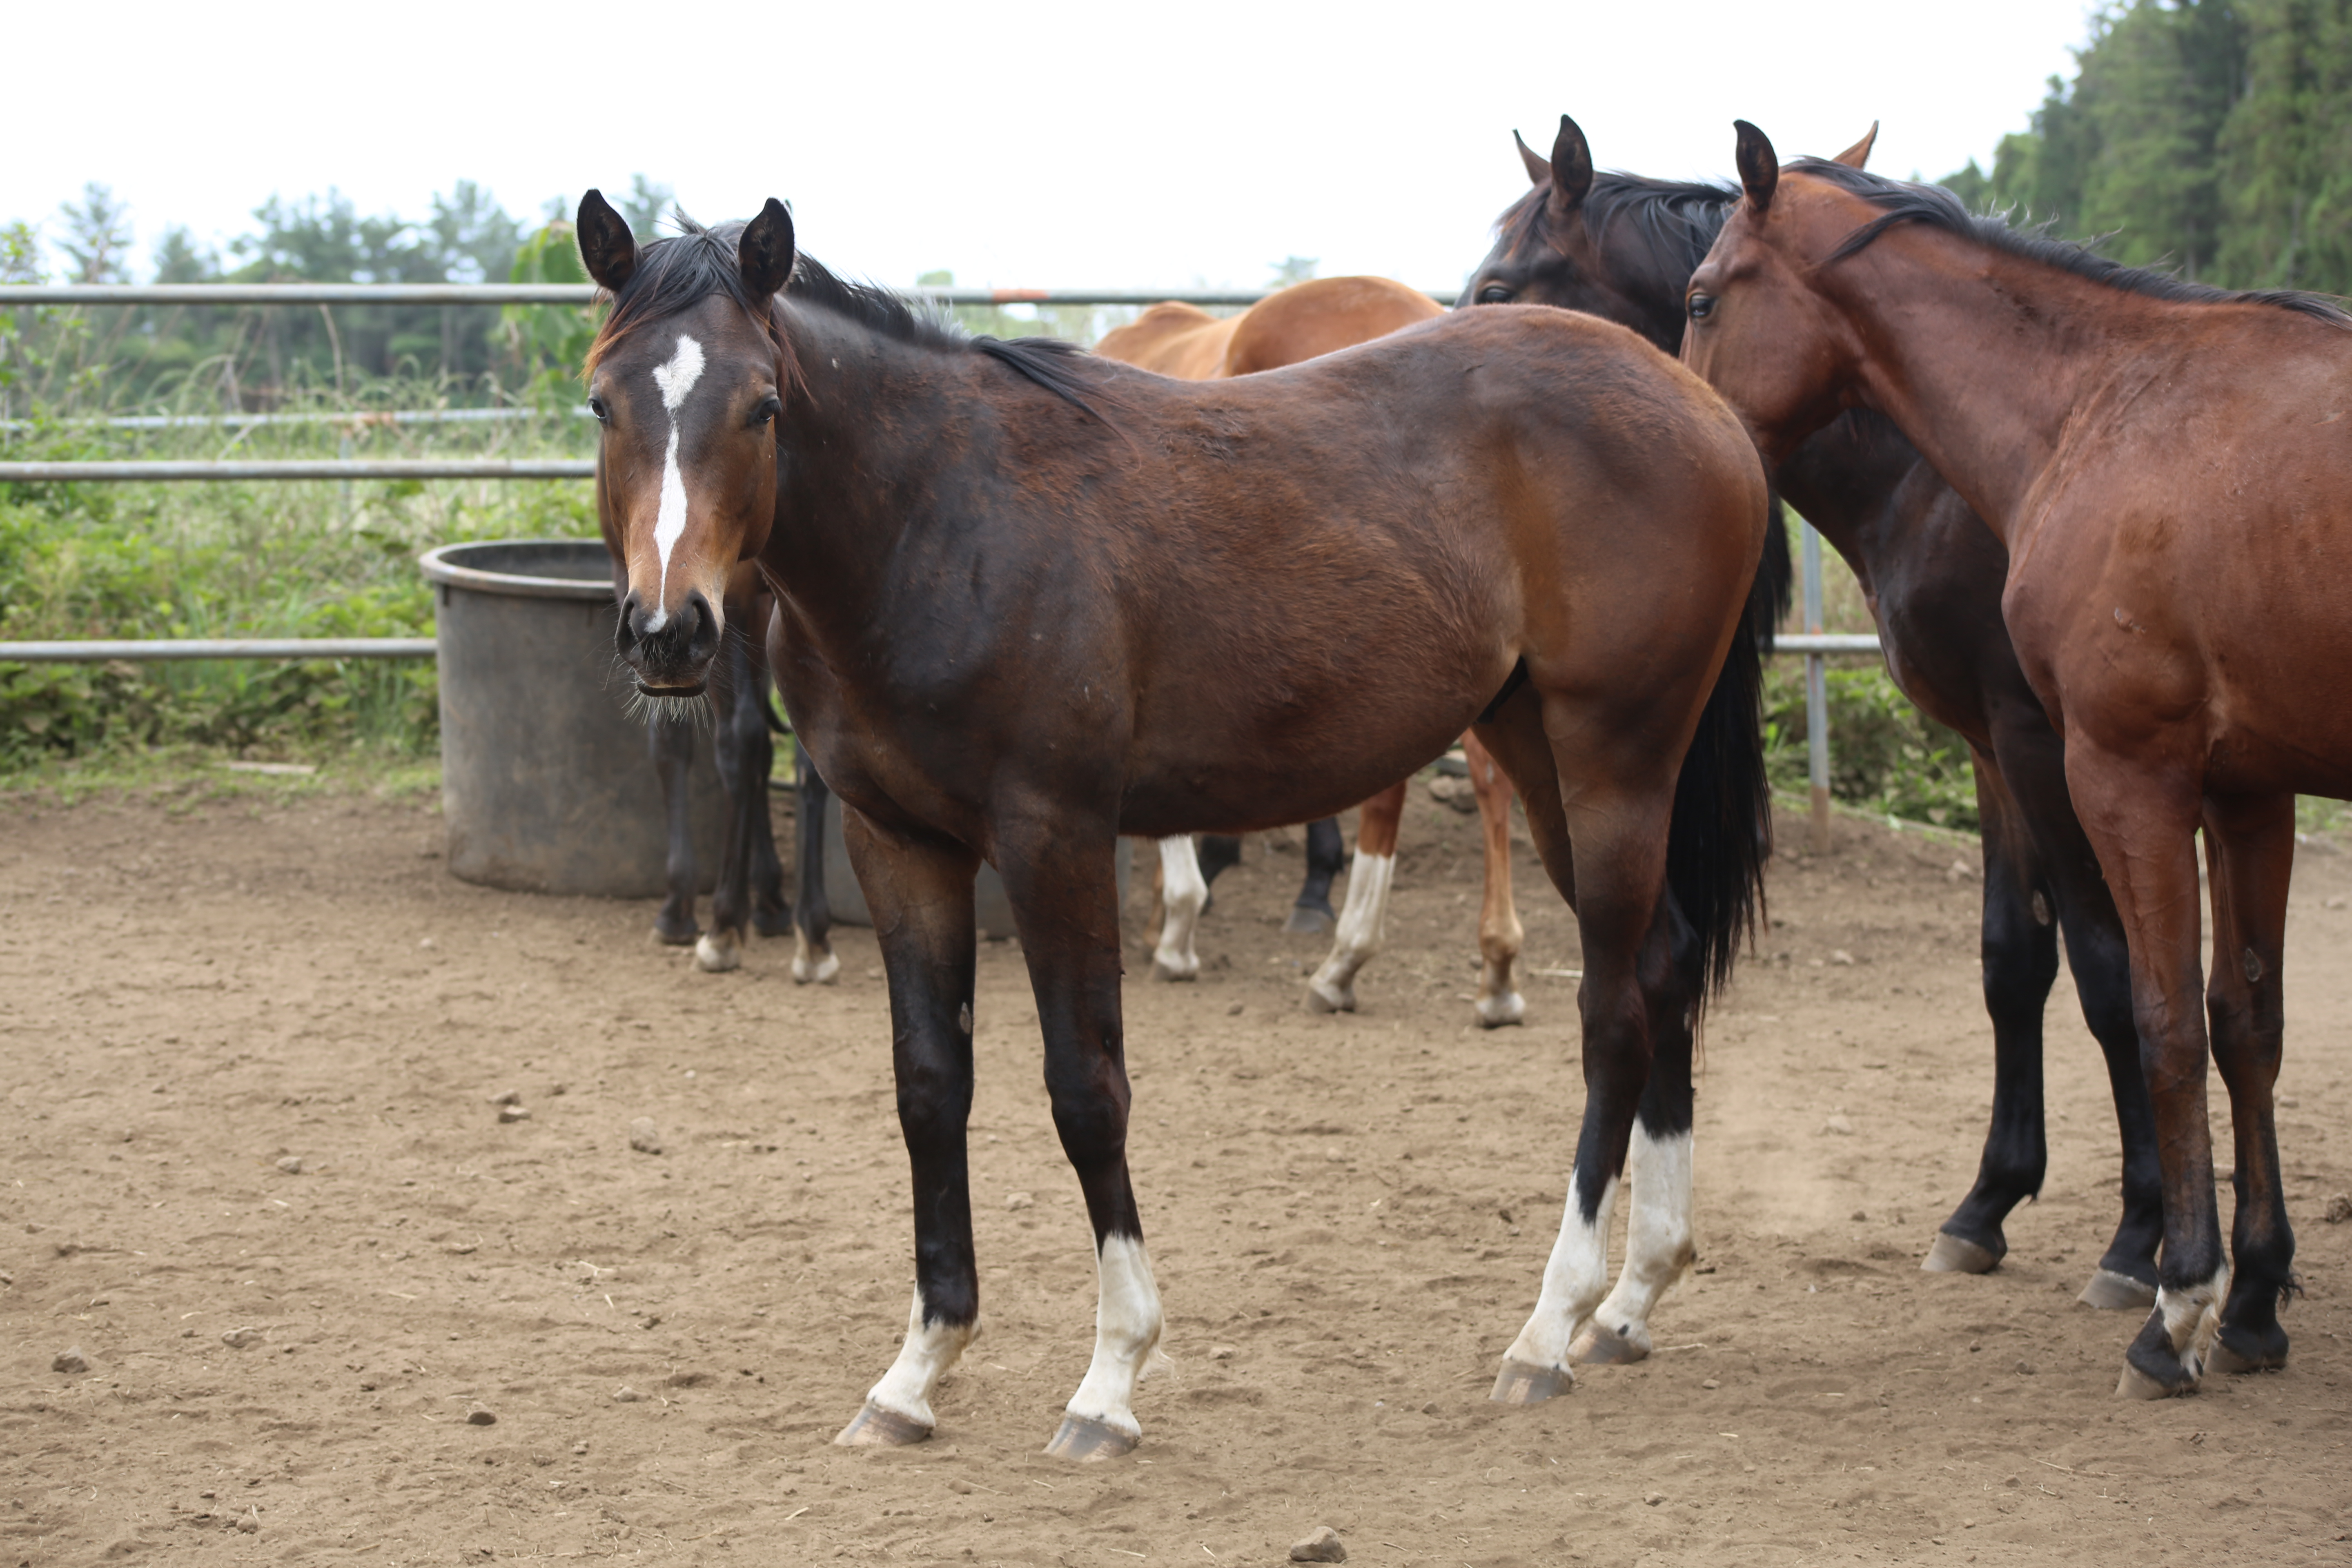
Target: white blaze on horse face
1657,1235
1183,893
931,1349
1126,1335
1572,1283
1362,920
676,377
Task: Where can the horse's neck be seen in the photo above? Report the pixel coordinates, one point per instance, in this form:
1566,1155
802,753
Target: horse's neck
1981,358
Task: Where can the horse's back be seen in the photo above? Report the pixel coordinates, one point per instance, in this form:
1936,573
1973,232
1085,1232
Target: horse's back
1170,337
1322,316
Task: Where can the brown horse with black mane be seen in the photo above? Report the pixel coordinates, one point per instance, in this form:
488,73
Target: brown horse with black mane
1029,600
2161,462
1624,246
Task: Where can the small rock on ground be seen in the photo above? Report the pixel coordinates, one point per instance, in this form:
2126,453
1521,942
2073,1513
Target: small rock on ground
292,1164
478,1417
70,1360
241,1339
625,1395
643,1137
1321,1546
2339,1208
1018,1200
514,1111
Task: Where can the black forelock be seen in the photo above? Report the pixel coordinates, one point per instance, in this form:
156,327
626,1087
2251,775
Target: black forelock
1902,201
1675,221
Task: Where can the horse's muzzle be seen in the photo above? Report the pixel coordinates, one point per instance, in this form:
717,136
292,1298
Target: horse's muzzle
670,656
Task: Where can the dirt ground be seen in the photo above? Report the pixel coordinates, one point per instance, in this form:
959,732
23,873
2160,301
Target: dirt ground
334,1309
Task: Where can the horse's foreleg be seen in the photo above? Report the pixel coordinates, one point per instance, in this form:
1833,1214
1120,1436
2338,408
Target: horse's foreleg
1183,893
771,912
2142,820
1500,933
671,743
740,739
1065,901
2251,844
921,891
1326,854
2019,947
813,954
1365,917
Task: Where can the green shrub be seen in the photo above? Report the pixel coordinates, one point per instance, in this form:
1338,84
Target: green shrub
1886,756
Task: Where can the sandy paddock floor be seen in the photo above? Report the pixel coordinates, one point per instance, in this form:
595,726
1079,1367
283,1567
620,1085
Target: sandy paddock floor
255,1174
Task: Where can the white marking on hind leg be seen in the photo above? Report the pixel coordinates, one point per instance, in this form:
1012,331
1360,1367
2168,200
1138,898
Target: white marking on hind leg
1362,920
1127,1336
1183,892
813,963
1657,1239
1573,1280
718,951
2192,1317
676,377
930,1350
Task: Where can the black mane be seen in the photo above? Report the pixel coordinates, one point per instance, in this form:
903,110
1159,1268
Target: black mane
1904,202
1675,221
681,271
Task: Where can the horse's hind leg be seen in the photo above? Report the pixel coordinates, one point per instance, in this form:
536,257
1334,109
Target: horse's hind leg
921,893
771,912
1326,853
1499,933
813,955
2251,844
2019,945
1183,893
1365,917
671,742
740,739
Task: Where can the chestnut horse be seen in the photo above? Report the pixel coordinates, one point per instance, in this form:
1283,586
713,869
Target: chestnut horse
1318,317
1625,247
1030,599
2154,455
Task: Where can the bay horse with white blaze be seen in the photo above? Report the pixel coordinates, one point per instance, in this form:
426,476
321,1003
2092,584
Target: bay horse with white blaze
1321,316
1624,246
2159,460
1029,600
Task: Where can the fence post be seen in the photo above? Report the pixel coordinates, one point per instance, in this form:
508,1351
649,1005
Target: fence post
1817,697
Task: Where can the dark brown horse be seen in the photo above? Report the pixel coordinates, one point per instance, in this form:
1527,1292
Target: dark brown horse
1624,246
1029,600
2158,460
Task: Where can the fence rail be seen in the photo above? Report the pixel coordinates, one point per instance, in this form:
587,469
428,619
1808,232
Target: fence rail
305,469
230,294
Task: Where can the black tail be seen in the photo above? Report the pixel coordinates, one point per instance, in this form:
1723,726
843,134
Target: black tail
1721,833
1776,580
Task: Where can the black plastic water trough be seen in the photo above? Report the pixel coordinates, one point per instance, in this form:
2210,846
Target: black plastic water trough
546,786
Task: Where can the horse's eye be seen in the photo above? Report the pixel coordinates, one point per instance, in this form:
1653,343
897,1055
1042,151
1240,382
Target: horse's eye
1700,306
603,415
1493,294
768,408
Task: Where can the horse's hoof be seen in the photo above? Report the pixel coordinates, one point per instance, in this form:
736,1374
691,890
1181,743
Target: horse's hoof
824,972
875,1428
1189,969
675,933
1519,1383
1306,920
1081,1437
2250,1353
2137,1384
1597,1346
2112,1292
1956,1255
718,953
1495,1012
1322,998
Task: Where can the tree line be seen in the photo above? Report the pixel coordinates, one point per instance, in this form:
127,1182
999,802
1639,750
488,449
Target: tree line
256,358
2207,136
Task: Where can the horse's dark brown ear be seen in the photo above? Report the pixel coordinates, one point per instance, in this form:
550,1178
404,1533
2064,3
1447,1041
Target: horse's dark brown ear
606,244
1571,170
1759,166
1538,171
1858,155
765,251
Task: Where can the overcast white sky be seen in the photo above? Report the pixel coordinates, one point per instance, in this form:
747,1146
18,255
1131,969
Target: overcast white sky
1045,145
